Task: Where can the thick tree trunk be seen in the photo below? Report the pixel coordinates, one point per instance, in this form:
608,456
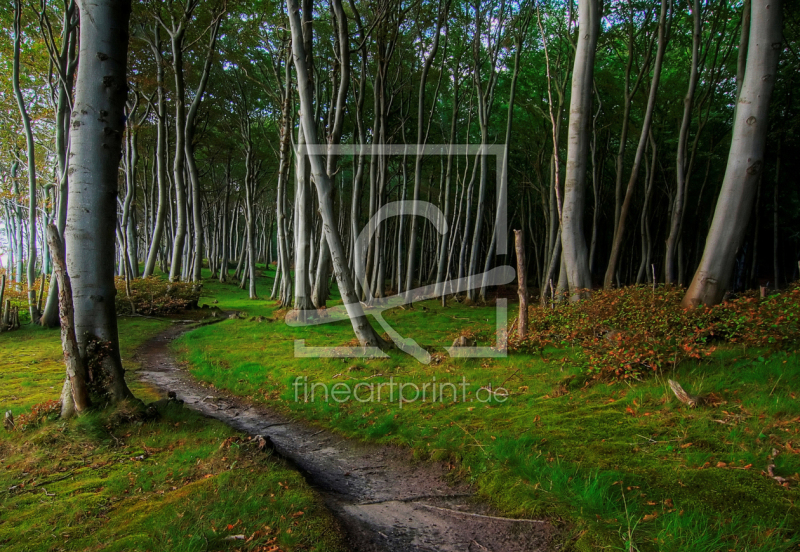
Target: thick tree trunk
745,158
574,250
97,128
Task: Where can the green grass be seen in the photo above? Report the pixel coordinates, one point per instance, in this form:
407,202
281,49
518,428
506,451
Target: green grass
105,481
611,459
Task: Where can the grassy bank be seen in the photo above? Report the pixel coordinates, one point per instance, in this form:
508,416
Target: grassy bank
627,464
114,482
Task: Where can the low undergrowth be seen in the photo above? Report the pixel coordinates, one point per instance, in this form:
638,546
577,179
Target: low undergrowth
636,331
152,296
621,462
155,296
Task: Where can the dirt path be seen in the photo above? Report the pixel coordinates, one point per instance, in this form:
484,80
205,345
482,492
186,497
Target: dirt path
383,501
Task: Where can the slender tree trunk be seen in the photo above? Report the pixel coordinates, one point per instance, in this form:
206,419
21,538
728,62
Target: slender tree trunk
363,331
26,123
223,230
775,259
194,176
680,189
619,232
574,250
302,227
68,62
522,284
161,157
644,222
745,159
178,167
411,264
76,371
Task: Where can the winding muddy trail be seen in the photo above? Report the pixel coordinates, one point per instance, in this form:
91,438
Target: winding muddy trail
383,501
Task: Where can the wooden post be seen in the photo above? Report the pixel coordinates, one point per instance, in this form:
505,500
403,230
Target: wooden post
76,372
41,293
2,293
6,314
522,284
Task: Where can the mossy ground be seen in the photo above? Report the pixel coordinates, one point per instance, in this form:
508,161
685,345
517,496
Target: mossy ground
627,465
176,482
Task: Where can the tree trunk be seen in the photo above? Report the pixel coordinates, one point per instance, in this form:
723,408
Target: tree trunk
161,157
680,190
97,128
26,123
522,284
775,258
411,264
68,64
363,330
573,242
76,371
177,38
745,158
194,176
619,232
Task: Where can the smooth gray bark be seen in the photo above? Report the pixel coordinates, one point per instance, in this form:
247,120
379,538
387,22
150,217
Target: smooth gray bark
573,241
96,136
745,158
364,332
680,190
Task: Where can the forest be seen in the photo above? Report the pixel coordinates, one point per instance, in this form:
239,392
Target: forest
228,226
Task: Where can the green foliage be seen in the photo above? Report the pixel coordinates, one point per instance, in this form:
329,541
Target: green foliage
632,332
155,296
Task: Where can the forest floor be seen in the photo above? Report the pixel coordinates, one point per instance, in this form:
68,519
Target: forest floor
105,481
384,501
625,465
618,466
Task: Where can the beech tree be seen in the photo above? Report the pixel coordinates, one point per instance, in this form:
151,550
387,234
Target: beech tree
97,122
216,179
363,330
576,254
745,159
